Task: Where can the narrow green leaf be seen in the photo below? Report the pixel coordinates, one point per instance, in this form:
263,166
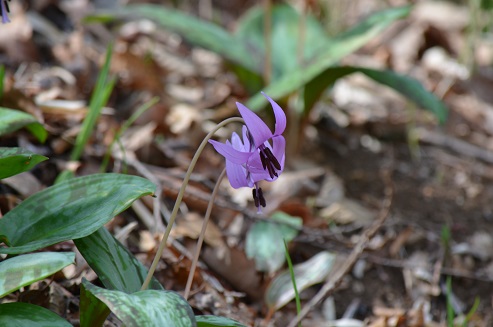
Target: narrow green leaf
308,273
265,240
215,321
330,54
405,85
26,269
18,314
293,280
116,267
12,120
14,161
198,32
146,308
93,312
69,210
100,95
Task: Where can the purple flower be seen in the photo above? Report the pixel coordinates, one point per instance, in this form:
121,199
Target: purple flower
4,8
260,155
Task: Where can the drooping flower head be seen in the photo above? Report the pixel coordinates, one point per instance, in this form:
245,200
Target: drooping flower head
4,8
259,155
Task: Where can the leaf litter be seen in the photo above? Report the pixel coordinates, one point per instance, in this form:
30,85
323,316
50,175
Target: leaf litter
441,175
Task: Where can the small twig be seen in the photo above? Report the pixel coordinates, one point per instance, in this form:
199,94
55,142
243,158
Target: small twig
202,235
331,284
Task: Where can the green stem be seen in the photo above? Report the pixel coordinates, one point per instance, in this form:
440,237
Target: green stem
195,158
202,235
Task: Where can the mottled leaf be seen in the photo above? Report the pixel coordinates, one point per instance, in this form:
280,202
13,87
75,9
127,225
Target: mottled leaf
69,210
14,161
330,55
264,241
215,321
18,314
308,273
406,85
116,267
93,312
12,120
146,308
26,269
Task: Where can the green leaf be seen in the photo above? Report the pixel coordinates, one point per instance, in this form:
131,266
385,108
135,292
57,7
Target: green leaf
213,321
69,210
198,32
93,312
308,273
99,98
330,54
14,161
26,269
264,241
146,308
406,85
18,314
285,28
115,266
12,120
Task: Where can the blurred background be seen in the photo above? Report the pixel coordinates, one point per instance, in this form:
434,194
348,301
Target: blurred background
389,106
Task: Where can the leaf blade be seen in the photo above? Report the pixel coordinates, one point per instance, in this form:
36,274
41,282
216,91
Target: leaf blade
116,267
12,120
26,269
146,308
14,161
69,210
18,314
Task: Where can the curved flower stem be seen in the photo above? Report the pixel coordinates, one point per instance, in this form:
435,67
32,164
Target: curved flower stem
195,158
202,235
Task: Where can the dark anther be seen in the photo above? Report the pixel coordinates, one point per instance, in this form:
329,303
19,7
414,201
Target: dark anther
272,158
255,198
271,171
261,197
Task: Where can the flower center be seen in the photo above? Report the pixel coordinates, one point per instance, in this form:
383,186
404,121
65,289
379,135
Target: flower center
269,161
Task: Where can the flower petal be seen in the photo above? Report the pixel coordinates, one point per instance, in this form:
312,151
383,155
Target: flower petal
228,152
279,114
246,139
237,143
236,175
259,130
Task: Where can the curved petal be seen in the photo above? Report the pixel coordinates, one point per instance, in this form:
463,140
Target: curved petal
237,143
246,139
279,114
228,152
279,149
259,130
236,175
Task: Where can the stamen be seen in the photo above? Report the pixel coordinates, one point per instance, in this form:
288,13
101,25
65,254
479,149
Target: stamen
263,158
255,198
272,158
261,197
